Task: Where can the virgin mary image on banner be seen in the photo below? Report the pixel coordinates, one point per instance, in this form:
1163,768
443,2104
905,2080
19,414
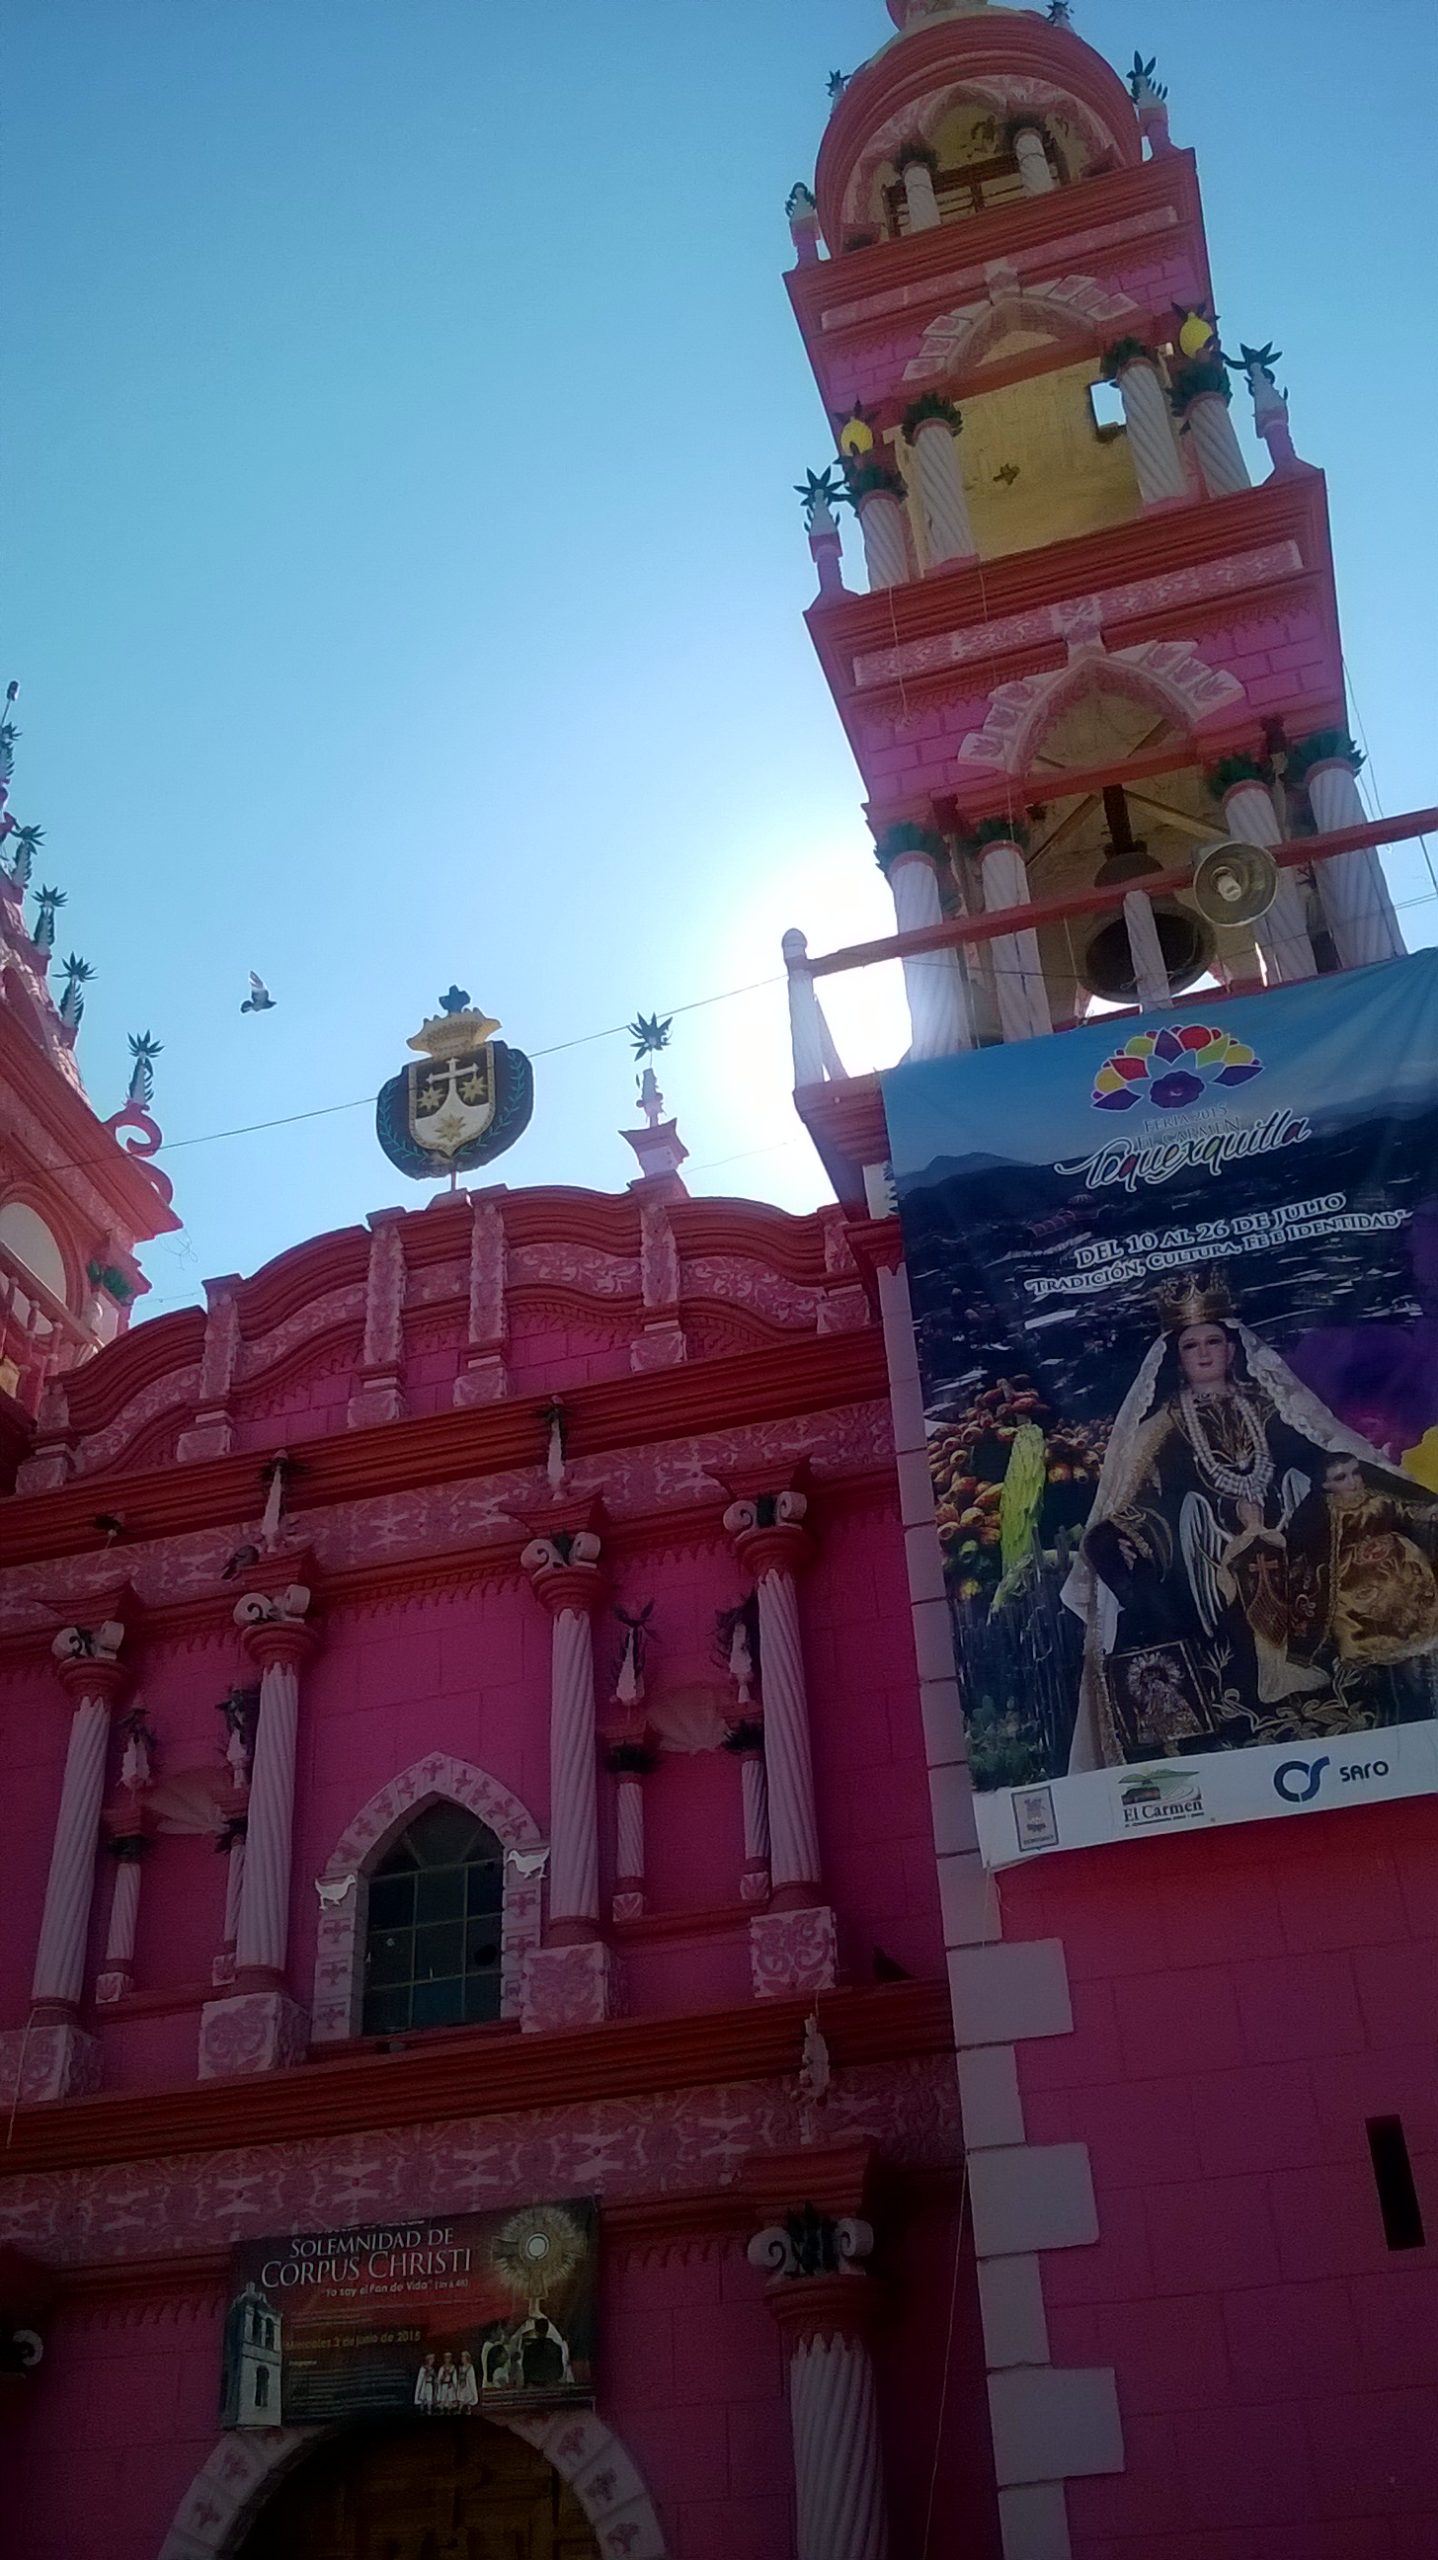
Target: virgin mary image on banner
1251,1570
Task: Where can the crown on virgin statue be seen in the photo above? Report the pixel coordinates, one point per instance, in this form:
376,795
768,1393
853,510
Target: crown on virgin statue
1193,1298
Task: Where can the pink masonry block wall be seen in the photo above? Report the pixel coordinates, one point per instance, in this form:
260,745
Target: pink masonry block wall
465,1670
1243,2003
691,2378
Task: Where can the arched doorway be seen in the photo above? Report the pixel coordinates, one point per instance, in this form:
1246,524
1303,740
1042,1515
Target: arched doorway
434,2489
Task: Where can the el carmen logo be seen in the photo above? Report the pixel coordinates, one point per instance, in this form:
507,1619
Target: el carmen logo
1172,1069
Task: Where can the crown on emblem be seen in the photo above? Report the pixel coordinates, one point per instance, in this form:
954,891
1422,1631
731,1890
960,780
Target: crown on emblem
1193,1299
455,1030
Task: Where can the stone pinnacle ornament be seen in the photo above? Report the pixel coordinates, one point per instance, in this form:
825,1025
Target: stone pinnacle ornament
466,1100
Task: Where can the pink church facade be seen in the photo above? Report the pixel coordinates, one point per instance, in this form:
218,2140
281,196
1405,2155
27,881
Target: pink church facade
1041,2215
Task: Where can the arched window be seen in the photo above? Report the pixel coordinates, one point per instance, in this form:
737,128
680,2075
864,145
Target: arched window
432,1942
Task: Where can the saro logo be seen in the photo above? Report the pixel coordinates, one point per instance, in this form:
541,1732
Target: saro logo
1172,1069
1300,1781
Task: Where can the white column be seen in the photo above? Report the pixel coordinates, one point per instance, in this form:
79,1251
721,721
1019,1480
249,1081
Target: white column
117,1975
1351,886
629,1845
565,1575
1156,459
885,531
819,2298
754,1787
222,1971
1018,970
278,1639
1220,456
1146,951
1250,817
950,535
92,1676
937,996
1033,160
805,1037
919,195
774,1552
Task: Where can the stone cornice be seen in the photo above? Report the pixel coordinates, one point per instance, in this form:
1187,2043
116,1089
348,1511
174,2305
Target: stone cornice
809,1375
485,2073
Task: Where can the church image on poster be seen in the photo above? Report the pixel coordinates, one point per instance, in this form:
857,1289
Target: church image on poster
436,2318
1176,1298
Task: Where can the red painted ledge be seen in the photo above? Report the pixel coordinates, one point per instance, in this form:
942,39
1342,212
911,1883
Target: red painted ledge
630,2057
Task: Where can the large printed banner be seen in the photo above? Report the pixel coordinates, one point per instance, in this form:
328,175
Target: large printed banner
439,2317
1175,1287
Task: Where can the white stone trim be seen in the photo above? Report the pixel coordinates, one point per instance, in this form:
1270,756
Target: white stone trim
1025,2197
230,2488
439,1778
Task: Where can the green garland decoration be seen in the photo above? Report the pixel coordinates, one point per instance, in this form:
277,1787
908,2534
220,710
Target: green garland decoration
916,149
1326,746
867,475
994,831
1192,381
908,836
929,404
1229,770
1123,351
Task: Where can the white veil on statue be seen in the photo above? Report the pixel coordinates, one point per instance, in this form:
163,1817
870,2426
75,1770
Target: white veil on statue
1131,1447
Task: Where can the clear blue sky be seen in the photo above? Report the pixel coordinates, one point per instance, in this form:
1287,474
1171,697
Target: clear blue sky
404,576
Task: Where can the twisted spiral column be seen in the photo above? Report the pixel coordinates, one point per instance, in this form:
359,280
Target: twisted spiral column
570,1590
823,2314
262,1934
774,1555
223,1969
886,538
754,1794
942,495
59,1975
1220,455
937,995
1018,970
838,2469
1351,886
1156,458
128,1843
1145,950
1282,935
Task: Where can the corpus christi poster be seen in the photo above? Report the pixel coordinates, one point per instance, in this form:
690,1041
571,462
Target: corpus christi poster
1175,1286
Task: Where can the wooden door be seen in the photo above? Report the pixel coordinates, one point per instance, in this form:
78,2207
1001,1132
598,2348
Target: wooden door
424,2489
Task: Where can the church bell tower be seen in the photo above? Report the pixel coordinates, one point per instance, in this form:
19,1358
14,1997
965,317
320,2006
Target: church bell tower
1090,643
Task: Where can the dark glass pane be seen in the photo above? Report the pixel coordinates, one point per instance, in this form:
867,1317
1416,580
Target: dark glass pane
481,1998
390,1956
438,1951
385,2012
486,1885
439,1894
400,1862
446,1836
391,1901
482,1948
438,2004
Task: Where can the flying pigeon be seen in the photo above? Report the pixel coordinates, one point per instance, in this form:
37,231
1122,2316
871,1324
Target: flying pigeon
259,999
240,1562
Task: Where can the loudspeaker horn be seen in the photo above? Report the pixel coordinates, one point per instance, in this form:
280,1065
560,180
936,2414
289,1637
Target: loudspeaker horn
1234,883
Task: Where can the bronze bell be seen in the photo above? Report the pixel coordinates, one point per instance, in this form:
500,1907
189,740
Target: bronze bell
1106,968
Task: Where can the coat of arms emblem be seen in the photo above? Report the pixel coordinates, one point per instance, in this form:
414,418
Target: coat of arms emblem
467,1098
